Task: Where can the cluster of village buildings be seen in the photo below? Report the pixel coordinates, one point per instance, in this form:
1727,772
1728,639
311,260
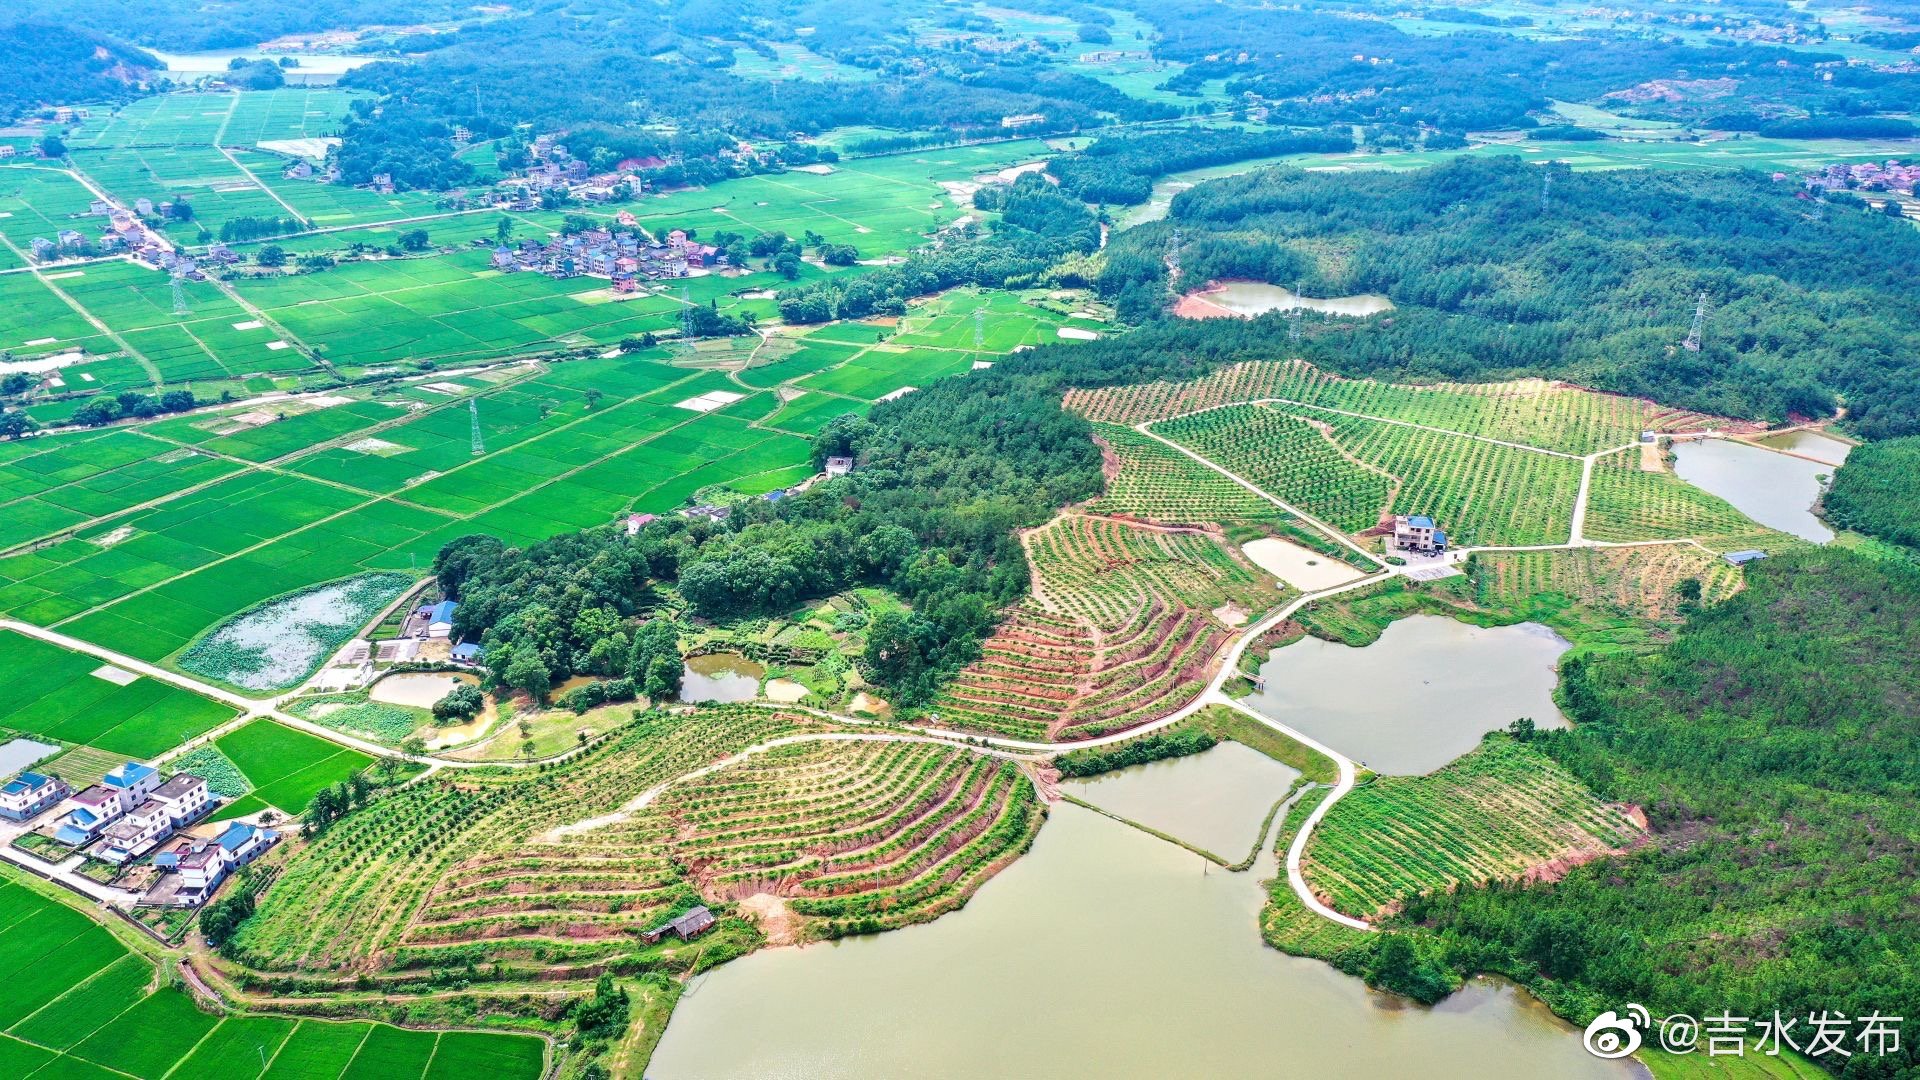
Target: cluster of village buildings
126,232
624,257
132,814
1866,176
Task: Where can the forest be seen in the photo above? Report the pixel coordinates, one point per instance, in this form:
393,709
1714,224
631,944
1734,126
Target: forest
1594,279
1121,170
48,63
1877,492
1773,748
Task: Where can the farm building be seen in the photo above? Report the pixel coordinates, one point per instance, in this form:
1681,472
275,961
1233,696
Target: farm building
1418,533
29,795
1742,558
636,522
695,922
467,652
839,466
440,619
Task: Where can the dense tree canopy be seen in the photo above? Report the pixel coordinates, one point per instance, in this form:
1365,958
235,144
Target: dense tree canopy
1808,301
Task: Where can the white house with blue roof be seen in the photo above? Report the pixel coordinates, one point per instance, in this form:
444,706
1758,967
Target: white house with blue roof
29,795
1418,533
440,619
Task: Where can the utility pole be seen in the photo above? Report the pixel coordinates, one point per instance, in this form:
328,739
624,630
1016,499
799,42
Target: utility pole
473,411
1692,344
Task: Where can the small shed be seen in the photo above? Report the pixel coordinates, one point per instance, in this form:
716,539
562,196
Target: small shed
697,921
1742,558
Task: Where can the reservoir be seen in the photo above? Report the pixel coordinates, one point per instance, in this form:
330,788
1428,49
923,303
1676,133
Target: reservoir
1773,489
1214,800
721,677
1250,298
1420,696
1102,952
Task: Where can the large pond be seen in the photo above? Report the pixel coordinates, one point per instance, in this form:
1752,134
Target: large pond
720,677
1214,800
1775,490
313,67
1102,952
1252,298
1420,696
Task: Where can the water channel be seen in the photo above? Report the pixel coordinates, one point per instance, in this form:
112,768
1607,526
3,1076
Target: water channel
1420,696
1103,952
1775,490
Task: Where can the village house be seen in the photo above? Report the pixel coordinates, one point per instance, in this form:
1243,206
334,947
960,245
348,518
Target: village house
135,833
29,795
468,653
1417,533
185,797
135,783
143,206
8,150
695,922
636,522
839,466
93,810
193,867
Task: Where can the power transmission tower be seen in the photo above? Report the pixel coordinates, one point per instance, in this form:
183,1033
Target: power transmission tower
686,315
180,296
1173,256
473,410
1293,324
1692,344
979,330
1546,187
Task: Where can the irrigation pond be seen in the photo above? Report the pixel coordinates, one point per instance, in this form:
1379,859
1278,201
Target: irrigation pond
720,677
1213,800
1420,696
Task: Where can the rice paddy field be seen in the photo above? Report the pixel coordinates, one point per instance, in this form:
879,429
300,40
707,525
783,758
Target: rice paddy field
56,694
284,767
80,1004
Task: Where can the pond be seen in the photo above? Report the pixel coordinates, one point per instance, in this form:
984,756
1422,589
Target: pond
721,676
1102,952
1302,568
1250,298
1773,489
1420,696
419,689
1214,801
1813,444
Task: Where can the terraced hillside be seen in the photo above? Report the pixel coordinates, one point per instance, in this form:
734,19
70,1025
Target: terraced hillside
1631,582
847,837
1503,811
1553,416
1626,503
1352,472
1148,479
554,875
1123,626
